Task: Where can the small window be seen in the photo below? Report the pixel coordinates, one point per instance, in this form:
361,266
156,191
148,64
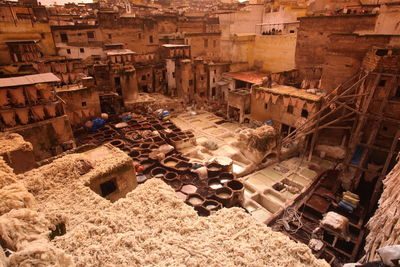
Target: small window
384,128
215,71
202,77
382,83
90,35
109,36
108,187
265,106
290,109
151,39
213,80
82,50
42,35
292,31
190,82
173,74
139,36
304,113
84,104
64,37
68,51
215,43
205,43
381,52
143,77
213,91
397,95
79,33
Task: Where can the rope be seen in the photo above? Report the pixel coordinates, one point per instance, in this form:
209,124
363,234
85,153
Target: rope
291,215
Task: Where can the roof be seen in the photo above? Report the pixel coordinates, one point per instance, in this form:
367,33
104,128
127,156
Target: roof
253,77
174,45
29,79
22,41
116,52
292,92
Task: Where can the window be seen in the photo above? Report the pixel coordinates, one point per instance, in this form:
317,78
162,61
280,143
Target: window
397,95
42,35
290,109
143,77
139,36
202,77
90,35
215,43
382,83
291,31
84,104
205,43
213,92
68,51
215,71
213,80
82,50
79,34
190,82
381,52
151,39
265,106
108,187
304,113
117,81
64,37
173,74
109,36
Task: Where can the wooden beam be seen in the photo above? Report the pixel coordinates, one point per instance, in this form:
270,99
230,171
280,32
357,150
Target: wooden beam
326,105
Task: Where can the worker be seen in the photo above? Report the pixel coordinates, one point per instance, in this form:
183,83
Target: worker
97,123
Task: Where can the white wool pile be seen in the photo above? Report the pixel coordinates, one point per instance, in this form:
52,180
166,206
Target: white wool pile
19,227
3,258
13,141
15,196
151,226
40,253
7,175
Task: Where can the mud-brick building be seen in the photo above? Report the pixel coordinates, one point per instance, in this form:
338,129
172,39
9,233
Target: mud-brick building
29,106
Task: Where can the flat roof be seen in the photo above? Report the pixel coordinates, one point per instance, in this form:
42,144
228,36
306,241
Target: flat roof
22,41
254,77
291,91
115,52
29,79
174,45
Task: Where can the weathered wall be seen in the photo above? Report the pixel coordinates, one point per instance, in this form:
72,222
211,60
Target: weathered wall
79,52
47,136
313,36
145,78
274,53
24,30
81,105
344,56
205,45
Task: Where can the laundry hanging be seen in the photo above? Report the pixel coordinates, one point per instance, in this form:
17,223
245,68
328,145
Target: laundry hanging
274,98
286,101
300,103
267,97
